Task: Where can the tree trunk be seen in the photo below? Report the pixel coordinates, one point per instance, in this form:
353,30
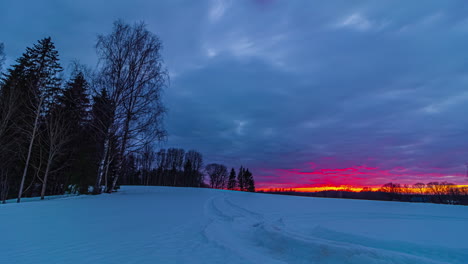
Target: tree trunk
4,187
46,175
106,173
122,152
102,165
31,142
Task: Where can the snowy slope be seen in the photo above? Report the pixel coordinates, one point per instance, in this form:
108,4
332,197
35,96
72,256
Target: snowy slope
187,225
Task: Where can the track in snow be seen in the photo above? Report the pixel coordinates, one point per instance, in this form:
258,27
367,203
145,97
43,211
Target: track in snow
268,241
188,225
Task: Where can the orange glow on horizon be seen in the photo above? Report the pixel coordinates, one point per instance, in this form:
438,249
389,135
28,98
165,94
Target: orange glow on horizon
327,175
318,189
348,188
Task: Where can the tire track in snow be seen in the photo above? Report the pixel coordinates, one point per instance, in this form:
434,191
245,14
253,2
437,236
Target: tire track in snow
261,240
230,229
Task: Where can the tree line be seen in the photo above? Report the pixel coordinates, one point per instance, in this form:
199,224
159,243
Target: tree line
432,192
91,130
177,167
220,179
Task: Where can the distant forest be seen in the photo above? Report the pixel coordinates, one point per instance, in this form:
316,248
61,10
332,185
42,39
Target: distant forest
96,129
432,192
175,167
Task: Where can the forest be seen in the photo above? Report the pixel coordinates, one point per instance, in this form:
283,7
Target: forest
89,130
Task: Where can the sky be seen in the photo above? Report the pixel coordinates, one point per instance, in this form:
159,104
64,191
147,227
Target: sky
303,93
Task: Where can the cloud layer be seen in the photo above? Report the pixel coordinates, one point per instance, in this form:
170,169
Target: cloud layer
302,92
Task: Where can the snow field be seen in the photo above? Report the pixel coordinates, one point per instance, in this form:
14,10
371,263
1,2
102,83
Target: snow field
188,225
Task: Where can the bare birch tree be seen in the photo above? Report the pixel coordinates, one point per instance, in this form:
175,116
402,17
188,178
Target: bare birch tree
131,70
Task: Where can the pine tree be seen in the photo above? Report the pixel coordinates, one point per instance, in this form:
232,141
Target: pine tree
75,101
8,136
75,105
250,183
35,81
232,180
240,179
2,56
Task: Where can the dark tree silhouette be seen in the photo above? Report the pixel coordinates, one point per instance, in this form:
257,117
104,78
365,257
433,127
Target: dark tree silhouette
132,72
217,174
241,179
102,116
2,56
95,131
249,180
36,82
232,180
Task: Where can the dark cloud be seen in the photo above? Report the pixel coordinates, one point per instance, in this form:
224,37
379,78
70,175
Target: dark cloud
371,91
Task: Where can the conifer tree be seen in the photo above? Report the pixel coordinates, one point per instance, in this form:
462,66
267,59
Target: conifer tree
241,179
2,56
232,180
75,102
8,136
75,105
250,183
36,82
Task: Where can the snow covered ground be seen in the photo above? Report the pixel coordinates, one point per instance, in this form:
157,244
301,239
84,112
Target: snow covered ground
188,225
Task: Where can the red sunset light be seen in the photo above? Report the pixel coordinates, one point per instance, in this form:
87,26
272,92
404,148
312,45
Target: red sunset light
350,178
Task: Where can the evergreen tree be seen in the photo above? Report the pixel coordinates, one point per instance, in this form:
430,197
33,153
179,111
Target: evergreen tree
75,105
2,56
35,82
232,180
9,138
250,183
75,102
241,179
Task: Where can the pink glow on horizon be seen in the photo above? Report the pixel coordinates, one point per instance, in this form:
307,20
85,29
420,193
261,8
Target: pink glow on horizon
353,176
